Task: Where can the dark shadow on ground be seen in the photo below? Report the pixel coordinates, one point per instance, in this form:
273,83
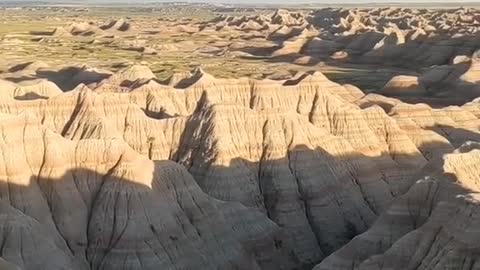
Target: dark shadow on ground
83,219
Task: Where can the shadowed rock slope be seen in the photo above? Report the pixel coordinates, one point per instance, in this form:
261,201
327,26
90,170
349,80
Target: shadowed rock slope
432,226
97,204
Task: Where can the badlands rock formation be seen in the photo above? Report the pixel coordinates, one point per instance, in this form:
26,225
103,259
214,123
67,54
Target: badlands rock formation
96,203
397,36
123,169
431,227
270,174
91,29
394,36
444,42
437,46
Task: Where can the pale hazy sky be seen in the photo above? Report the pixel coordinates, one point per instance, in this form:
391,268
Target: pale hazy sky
320,1
309,1
289,1
460,2
358,1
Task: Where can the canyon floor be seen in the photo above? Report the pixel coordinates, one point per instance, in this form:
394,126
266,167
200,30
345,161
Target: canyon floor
215,137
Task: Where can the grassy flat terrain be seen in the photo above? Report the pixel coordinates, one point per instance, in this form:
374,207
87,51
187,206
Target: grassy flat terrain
25,36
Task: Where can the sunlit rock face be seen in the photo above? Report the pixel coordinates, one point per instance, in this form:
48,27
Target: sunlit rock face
205,173
96,203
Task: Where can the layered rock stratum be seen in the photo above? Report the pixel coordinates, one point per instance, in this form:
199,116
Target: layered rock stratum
197,172
112,166
411,53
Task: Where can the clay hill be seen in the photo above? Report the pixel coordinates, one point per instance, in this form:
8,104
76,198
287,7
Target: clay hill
91,29
438,46
418,55
106,164
394,36
198,172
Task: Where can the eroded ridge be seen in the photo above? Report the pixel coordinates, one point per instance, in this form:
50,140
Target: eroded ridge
293,169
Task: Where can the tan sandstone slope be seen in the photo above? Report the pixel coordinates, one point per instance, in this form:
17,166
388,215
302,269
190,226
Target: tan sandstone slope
285,172
433,226
93,204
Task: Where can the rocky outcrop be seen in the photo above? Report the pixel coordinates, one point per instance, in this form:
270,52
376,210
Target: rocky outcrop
278,170
117,25
37,89
203,143
399,36
127,77
403,86
97,203
310,164
430,226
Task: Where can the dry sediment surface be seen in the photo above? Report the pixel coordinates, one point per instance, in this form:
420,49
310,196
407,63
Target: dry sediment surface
201,173
122,169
